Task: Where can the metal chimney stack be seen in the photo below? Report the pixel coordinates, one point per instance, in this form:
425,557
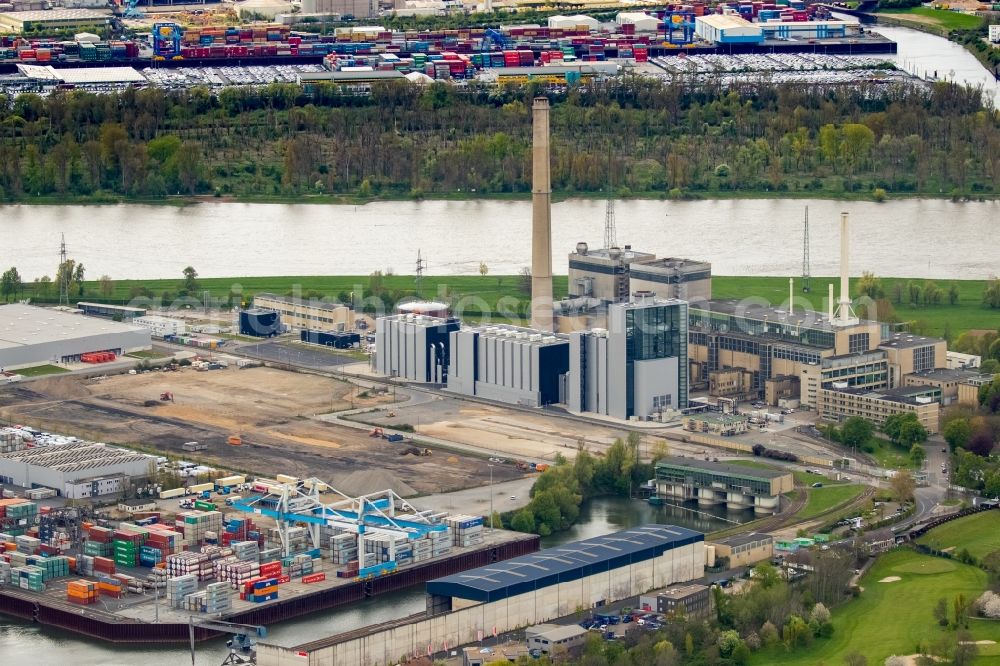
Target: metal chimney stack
541,219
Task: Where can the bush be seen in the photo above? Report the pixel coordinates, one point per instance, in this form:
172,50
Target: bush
879,195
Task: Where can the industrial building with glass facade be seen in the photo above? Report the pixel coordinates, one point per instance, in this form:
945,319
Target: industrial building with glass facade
713,483
637,367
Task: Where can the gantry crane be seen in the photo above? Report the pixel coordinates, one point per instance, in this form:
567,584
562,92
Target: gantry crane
241,642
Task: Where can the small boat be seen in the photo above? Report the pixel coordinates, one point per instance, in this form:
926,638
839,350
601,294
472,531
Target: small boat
655,501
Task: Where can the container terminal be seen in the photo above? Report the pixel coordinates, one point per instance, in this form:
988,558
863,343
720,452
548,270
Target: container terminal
300,546
460,54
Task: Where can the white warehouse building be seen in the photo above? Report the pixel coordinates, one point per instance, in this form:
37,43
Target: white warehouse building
413,347
63,465
31,335
643,22
509,364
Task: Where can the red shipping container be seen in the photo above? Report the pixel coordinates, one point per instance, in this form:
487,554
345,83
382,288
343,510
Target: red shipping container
284,578
314,578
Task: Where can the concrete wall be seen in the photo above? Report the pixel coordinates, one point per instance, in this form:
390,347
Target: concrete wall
461,627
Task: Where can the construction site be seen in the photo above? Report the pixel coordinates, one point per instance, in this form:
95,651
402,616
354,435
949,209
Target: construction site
270,413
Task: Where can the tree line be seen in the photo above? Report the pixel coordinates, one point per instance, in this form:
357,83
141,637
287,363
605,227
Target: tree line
666,137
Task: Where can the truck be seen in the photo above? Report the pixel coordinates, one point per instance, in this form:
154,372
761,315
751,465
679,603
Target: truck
234,480
200,488
232,499
174,492
224,490
205,495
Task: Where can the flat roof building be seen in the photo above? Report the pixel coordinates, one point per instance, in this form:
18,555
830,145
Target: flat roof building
61,464
637,367
550,638
840,402
31,335
109,311
672,277
744,549
727,29
310,314
414,347
712,483
53,18
602,273
690,601
946,381
508,363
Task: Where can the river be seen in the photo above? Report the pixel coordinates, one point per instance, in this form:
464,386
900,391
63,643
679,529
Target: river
929,238
22,643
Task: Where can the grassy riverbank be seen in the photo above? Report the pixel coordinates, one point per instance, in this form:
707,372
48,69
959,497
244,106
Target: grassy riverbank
504,296
936,21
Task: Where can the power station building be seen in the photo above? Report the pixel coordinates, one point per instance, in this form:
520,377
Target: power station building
260,323
509,364
611,275
712,483
414,347
637,367
31,335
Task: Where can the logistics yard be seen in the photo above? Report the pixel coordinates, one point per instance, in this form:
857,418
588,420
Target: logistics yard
269,408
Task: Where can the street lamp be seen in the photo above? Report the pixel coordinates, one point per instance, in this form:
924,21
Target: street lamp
491,495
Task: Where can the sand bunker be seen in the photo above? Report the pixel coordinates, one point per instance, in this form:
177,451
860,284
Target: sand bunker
890,579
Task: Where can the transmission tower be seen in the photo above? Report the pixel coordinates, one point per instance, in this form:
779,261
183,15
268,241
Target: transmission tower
421,265
610,234
64,276
805,255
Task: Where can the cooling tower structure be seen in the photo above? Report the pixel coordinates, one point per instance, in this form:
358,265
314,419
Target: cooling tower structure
541,219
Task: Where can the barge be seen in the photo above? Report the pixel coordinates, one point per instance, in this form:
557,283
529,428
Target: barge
136,623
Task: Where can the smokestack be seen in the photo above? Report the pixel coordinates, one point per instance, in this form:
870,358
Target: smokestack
791,295
541,220
829,303
845,314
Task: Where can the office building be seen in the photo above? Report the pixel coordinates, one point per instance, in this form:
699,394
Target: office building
555,638
840,402
908,353
690,601
509,364
948,382
637,367
161,327
414,347
743,550
308,314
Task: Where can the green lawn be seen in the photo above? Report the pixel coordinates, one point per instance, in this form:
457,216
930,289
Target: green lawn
968,313
892,618
810,478
943,18
827,497
484,293
152,355
889,455
40,371
979,533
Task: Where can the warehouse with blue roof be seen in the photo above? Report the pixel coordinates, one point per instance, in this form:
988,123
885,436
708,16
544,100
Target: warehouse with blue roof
583,574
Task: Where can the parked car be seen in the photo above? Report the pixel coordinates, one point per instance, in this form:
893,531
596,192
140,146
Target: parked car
817,485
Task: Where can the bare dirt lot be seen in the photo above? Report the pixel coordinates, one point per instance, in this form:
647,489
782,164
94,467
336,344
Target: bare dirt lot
270,409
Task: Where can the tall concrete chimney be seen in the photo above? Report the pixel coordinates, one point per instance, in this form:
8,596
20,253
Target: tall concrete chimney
829,304
791,295
541,219
845,315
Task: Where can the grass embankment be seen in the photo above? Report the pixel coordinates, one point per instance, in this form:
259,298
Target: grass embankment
40,371
968,313
501,296
893,618
940,21
825,498
889,455
979,533
147,355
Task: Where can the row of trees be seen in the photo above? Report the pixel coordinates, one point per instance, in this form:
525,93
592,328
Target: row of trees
666,136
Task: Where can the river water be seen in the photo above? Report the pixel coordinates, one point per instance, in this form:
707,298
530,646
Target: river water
928,238
21,642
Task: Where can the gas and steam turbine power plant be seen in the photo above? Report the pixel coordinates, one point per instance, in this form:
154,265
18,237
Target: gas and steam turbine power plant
541,220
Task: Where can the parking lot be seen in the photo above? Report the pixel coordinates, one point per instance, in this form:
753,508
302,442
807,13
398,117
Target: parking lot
777,67
185,77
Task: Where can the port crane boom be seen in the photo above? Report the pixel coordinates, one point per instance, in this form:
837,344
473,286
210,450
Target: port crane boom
241,641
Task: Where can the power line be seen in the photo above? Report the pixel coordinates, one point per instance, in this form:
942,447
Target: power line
610,233
421,265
